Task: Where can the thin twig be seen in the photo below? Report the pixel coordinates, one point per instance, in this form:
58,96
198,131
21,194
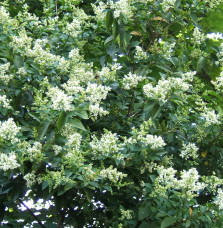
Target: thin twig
56,8
30,211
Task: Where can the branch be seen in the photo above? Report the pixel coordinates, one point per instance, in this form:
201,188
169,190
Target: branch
30,211
56,7
61,221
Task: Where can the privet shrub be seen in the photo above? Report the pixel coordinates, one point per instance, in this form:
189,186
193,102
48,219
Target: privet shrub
111,113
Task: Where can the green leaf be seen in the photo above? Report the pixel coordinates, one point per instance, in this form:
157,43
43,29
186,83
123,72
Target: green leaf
110,38
200,63
177,4
144,224
187,223
43,129
83,114
77,123
18,62
109,20
44,185
62,120
144,211
193,18
89,194
168,222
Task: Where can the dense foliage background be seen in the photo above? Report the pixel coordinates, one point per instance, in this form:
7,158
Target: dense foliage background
111,113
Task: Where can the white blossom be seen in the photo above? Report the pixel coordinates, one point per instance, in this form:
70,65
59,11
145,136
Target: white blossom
95,110
112,174
34,152
140,54
22,71
74,140
99,10
158,92
107,145
212,4
57,149
131,80
4,102
210,117
121,6
189,150
218,82
9,131
219,199
4,77
8,161
198,37
60,101
188,185
126,214
22,41
74,28
30,179
73,86
96,93
152,140
168,4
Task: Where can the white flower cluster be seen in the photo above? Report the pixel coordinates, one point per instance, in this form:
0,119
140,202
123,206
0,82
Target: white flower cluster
189,151
126,214
9,131
60,101
4,77
96,110
30,179
219,199
140,54
213,182
158,92
99,10
45,59
88,173
22,42
75,56
73,86
82,72
112,174
107,145
131,81
94,94
57,149
121,6
73,29
34,152
168,4
4,102
210,117
142,136
4,15
167,49
198,37
212,4
74,140
188,184
108,73
152,140
8,161
162,90
218,83
22,71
